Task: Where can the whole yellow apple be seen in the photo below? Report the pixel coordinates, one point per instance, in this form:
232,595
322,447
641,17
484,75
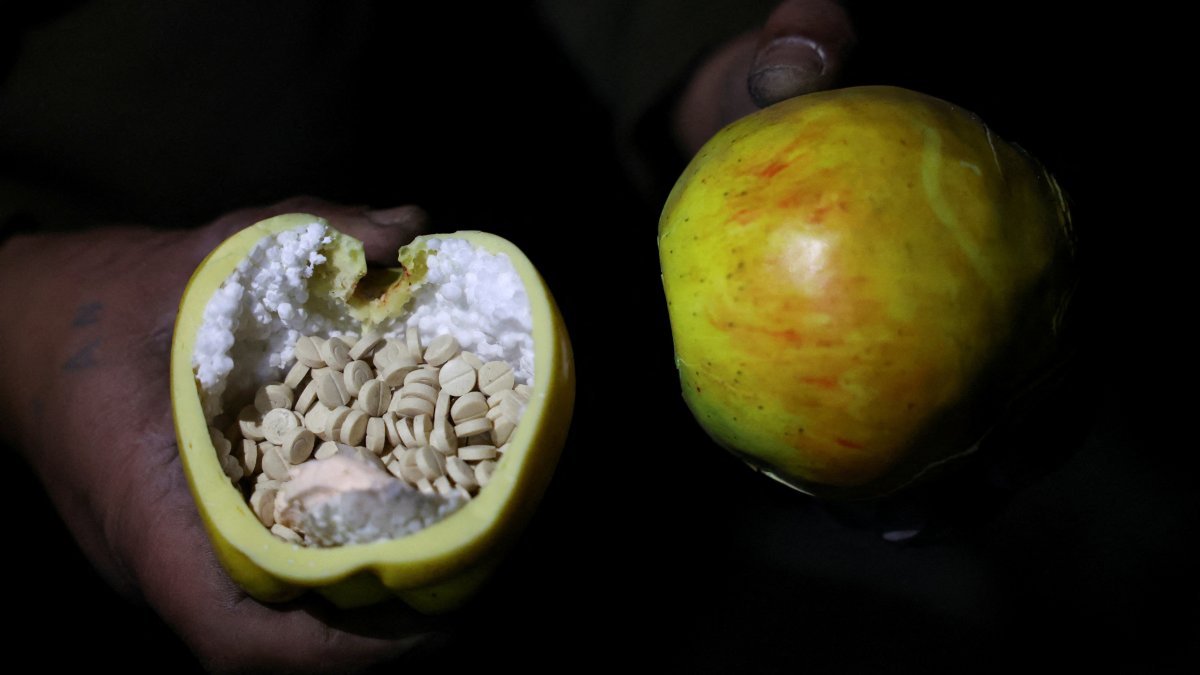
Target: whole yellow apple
861,283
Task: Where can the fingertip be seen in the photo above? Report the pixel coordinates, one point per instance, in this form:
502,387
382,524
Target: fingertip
801,49
409,216
384,231
786,67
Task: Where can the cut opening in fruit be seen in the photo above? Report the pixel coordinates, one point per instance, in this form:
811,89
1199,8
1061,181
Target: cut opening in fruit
246,312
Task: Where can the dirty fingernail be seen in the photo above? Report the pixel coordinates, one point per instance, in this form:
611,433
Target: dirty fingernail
785,67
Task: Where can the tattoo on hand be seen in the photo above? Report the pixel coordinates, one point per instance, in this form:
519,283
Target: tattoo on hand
85,357
87,314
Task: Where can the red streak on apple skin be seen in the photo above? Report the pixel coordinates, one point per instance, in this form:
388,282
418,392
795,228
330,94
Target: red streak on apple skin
848,444
823,382
771,169
744,216
786,335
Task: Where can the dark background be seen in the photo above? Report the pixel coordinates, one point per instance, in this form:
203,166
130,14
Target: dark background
658,540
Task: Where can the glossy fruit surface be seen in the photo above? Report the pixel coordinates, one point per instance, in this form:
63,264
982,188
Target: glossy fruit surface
860,282
434,570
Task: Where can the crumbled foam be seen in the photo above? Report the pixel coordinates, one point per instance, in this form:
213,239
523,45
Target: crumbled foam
252,322
479,298
474,295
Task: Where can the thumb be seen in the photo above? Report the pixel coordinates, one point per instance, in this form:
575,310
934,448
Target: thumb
382,231
801,49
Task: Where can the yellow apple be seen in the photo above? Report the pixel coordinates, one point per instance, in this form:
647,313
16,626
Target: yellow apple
860,282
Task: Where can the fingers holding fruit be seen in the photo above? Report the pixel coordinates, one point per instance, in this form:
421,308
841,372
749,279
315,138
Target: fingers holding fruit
800,49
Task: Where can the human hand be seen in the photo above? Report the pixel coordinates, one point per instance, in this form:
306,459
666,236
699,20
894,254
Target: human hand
87,335
801,49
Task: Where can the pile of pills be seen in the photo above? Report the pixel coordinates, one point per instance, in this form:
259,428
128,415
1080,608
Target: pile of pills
436,417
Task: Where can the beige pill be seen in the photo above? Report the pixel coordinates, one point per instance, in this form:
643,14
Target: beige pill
524,390
250,423
442,438
431,462
419,390
389,427
404,430
423,375
356,374
411,474
249,456
478,425
314,419
495,399
509,397
232,468
413,342
441,408
502,430
473,359
286,533
271,396
348,339
297,445
296,375
331,391
425,486
326,450
394,373
411,406
385,354
335,353
442,349
469,406
461,473
408,462
333,423
457,377
354,427
374,398
484,471
443,486
277,423
376,435
409,456
421,426
396,470
365,346
263,504
475,453
502,449
495,377
222,444
306,398
308,351
273,463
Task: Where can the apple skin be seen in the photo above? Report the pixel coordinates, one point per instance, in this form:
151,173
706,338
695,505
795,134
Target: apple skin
861,283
